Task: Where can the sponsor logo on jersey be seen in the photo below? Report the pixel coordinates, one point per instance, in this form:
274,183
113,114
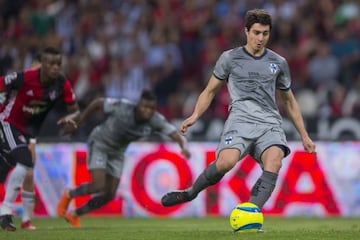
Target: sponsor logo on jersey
33,110
273,68
35,107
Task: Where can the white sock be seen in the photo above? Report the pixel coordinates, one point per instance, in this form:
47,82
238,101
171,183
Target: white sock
28,202
13,186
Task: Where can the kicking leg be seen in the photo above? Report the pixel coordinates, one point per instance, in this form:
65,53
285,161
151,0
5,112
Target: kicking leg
210,176
265,185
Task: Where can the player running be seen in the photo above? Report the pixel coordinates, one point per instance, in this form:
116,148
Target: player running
126,122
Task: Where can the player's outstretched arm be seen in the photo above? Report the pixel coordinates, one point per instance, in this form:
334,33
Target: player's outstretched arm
294,113
203,102
95,105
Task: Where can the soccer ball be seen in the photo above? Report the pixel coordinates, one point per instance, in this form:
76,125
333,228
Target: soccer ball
246,217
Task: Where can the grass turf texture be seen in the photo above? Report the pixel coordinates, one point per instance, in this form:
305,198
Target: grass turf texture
189,228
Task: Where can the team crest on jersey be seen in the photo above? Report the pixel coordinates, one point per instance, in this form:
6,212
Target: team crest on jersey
22,138
228,139
273,68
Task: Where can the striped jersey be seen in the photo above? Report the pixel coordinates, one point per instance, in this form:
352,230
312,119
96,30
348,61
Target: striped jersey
25,101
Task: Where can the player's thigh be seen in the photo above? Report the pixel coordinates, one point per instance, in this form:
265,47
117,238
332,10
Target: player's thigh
271,148
114,171
272,158
115,164
230,150
97,161
98,179
13,145
112,184
97,158
5,168
227,159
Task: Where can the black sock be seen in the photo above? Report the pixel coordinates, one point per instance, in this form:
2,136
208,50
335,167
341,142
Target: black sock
94,203
79,191
263,188
209,176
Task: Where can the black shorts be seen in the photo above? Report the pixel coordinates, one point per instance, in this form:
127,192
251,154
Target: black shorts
13,146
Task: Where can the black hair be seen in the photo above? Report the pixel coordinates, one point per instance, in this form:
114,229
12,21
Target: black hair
148,95
37,57
257,16
50,50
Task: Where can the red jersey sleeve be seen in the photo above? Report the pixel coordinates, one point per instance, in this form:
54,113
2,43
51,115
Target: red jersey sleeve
69,95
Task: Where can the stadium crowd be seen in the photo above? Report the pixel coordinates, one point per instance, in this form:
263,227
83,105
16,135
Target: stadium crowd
116,48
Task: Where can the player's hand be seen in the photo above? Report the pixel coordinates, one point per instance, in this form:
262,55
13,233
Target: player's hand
308,144
186,153
69,125
185,124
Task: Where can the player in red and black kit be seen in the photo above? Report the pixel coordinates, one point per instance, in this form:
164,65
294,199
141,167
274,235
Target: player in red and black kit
27,97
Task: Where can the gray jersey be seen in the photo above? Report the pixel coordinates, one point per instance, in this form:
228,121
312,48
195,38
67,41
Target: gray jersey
120,128
252,82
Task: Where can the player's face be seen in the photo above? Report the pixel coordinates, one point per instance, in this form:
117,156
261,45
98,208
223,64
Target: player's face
50,65
257,37
145,110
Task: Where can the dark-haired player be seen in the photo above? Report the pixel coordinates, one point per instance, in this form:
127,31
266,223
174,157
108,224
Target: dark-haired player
27,97
252,74
126,122
27,191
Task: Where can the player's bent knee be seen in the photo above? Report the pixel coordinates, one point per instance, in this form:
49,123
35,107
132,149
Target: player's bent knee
225,166
272,165
96,187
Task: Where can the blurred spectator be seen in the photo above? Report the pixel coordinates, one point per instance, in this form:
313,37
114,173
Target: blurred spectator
347,50
322,59
117,48
352,100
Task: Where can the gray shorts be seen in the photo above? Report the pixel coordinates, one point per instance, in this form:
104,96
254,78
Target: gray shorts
252,139
99,158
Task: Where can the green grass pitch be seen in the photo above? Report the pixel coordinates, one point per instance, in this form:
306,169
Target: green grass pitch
118,228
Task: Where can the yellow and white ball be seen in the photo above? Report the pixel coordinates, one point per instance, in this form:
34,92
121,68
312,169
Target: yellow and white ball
246,217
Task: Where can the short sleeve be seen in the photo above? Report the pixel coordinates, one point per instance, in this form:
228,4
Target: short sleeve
222,66
283,81
69,95
111,104
160,124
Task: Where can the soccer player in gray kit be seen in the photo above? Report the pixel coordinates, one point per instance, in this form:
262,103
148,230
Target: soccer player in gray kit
252,74
126,122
